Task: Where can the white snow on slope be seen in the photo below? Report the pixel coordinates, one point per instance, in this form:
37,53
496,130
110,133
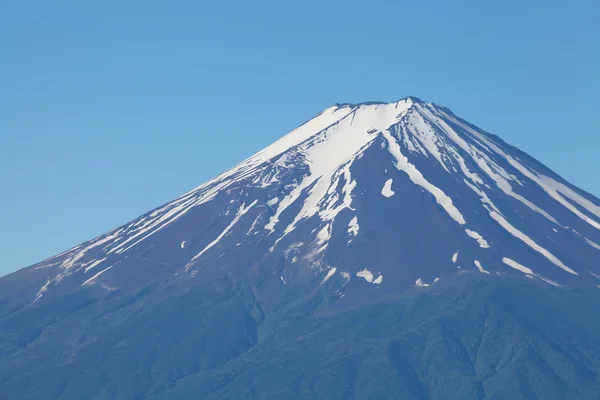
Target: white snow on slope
254,223
241,211
94,264
593,244
89,281
319,245
74,259
368,276
517,266
325,149
480,268
503,222
387,188
292,139
42,290
501,177
353,227
325,119
67,267
424,137
530,242
338,145
421,283
330,273
164,216
528,271
498,174
329,155
551,282
482,242
455,257
417,178
552,187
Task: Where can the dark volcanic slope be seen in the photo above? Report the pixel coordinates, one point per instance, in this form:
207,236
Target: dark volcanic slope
377,251
486,338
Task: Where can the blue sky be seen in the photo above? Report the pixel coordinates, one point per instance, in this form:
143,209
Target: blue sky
109,109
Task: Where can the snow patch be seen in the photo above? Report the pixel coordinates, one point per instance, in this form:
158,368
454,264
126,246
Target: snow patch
321,242
42,290
517,266
548,281
91,280
421,283
368,276
330,273
387,188
93,264
253,225
593,244
353,227
529,273
482,242
455,257
480,268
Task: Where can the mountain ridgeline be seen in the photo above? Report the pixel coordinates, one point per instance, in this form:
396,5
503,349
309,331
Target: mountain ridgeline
378,251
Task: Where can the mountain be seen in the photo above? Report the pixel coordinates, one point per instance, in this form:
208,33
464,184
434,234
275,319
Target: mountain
379,250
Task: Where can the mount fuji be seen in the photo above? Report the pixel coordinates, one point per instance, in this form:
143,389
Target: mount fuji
379,250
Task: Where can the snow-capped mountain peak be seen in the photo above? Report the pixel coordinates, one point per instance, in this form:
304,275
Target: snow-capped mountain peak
359,193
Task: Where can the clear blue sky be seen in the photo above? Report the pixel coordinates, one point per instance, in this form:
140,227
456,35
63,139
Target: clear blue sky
110,108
